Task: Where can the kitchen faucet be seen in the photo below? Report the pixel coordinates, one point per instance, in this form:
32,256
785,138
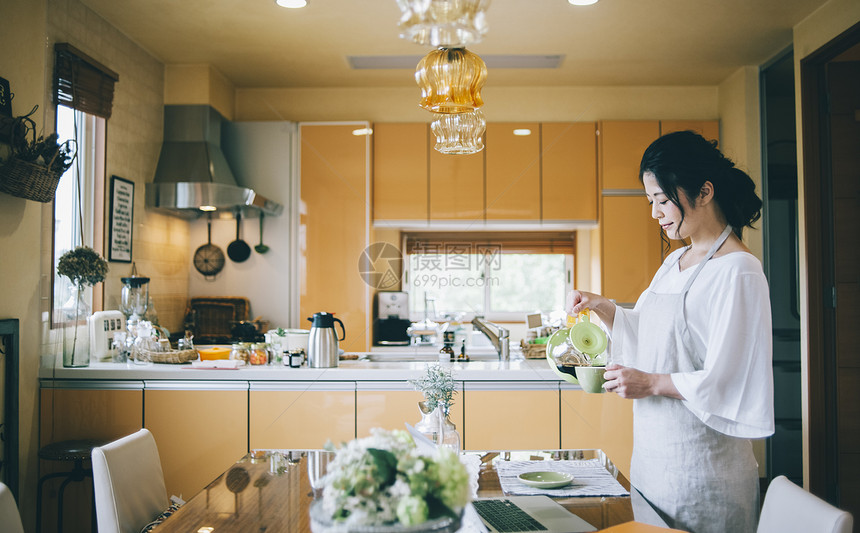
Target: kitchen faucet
500,337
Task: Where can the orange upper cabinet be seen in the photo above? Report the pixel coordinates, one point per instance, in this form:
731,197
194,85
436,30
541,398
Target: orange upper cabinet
709,129
513,171
622,144
569,171
631,247
400,171
334,226
456,186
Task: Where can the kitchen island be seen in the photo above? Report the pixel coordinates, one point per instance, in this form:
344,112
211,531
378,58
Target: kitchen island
202,419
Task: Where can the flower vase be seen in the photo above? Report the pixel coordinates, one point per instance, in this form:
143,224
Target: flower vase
76,338
437,427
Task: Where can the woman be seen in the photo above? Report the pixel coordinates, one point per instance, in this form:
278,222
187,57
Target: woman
695,352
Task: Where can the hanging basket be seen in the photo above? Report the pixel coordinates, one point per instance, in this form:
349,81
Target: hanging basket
28,172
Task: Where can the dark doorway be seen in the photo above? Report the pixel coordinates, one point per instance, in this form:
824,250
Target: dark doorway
830,85
780,216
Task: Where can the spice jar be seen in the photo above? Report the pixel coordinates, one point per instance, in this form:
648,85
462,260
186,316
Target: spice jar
259,355
296,358
239,353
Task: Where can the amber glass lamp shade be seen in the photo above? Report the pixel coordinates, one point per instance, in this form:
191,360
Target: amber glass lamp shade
448,23
459,133
450,80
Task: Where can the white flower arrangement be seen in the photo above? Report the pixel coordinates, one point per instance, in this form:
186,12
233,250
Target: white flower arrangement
384,479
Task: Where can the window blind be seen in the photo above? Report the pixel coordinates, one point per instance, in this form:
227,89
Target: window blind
82,83
562,242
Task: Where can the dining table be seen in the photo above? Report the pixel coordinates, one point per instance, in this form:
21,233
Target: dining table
272,490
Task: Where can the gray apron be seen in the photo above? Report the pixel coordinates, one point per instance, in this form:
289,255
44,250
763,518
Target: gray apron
696,478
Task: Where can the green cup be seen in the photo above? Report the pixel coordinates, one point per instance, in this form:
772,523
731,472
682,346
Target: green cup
591,378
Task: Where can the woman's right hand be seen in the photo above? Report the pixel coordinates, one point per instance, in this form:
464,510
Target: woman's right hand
579,301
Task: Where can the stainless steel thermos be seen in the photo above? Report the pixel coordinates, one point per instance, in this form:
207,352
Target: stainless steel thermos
322,344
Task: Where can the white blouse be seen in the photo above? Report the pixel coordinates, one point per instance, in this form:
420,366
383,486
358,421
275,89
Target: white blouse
729,318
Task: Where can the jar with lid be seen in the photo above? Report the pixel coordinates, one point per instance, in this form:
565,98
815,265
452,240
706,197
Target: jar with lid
239,353
259,355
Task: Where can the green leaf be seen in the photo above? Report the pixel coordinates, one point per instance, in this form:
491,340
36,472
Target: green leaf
386,465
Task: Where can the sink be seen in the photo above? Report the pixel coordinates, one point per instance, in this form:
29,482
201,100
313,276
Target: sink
410,354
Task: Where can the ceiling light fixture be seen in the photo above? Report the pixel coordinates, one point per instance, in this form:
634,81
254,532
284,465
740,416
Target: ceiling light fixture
522,132
443,22
581,2
292,4
459,133
362,131
450,80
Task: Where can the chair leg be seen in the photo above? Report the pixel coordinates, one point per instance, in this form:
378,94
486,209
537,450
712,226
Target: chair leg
39,495
60,503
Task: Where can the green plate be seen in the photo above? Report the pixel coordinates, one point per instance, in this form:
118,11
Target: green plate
545,480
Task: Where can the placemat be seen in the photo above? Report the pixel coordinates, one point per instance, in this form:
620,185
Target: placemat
590,478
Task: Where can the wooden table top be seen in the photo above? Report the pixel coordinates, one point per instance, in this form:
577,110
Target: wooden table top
270,490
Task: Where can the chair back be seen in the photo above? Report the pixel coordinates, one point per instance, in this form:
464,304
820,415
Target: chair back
129,483
9,515
788,508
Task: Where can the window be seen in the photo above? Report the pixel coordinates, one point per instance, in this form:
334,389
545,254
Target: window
76,202
83,92
502,277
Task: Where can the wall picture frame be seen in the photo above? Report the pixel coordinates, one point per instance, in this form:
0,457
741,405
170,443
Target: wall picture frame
121,220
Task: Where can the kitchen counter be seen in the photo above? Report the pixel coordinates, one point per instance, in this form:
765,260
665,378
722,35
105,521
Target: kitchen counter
517,369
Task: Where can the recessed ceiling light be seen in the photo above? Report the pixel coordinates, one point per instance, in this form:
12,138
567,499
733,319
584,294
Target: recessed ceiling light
522,132
581,2
207,208
292,4
362,131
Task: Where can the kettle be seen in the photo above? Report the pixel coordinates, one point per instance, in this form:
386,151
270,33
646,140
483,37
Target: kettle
322,344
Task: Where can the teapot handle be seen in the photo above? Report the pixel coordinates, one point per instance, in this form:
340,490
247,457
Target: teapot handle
342,329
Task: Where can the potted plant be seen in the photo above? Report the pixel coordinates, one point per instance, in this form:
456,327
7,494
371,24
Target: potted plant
382,483
84,267
438,387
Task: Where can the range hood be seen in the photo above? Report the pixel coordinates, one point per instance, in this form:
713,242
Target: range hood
193,176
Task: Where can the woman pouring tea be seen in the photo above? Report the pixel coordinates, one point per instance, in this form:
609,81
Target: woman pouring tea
695,352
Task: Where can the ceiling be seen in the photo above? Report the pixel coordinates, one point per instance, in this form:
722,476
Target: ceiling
257,44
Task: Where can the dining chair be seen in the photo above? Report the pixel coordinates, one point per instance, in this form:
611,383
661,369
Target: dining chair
129,483
788,508
9,515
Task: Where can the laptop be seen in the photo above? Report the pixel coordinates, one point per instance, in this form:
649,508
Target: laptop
520,514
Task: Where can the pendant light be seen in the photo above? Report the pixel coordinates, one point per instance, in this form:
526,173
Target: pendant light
459,133
451,80
443,23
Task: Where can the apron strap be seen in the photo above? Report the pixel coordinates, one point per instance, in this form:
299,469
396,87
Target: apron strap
716,246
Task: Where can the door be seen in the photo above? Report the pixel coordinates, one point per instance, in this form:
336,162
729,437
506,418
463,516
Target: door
830,92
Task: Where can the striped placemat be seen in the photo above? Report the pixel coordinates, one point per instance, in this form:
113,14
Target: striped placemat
590,478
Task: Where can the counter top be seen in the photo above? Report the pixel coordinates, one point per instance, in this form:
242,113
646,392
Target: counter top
360,371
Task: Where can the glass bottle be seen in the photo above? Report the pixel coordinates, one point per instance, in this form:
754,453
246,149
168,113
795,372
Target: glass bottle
436,426
239,352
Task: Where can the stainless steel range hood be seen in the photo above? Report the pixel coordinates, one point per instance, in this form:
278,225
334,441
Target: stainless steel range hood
193,177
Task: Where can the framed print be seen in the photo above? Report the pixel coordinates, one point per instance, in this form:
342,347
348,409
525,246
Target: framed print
121,219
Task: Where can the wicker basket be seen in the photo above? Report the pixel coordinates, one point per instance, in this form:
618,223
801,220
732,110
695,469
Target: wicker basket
533,351
171,357
28,180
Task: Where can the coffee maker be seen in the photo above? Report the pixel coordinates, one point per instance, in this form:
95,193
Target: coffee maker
392,319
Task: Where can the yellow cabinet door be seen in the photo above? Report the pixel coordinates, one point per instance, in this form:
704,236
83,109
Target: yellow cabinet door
513,171
603,421
391,405
511,415
400,171
102,411
456,186
334,228
301,414
631,247
622,144
709,129
569,171
201,428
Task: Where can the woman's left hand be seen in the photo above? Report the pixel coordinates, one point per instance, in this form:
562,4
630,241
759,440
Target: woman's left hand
634,384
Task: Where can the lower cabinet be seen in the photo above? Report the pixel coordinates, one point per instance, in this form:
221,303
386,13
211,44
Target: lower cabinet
392,404
602,421
511,415
301,414
200,428
100,410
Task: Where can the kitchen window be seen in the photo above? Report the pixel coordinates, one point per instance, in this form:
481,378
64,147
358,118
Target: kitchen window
83,92
500,276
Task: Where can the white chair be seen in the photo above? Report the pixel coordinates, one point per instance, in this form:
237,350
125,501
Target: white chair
10,518
129,483
788,508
